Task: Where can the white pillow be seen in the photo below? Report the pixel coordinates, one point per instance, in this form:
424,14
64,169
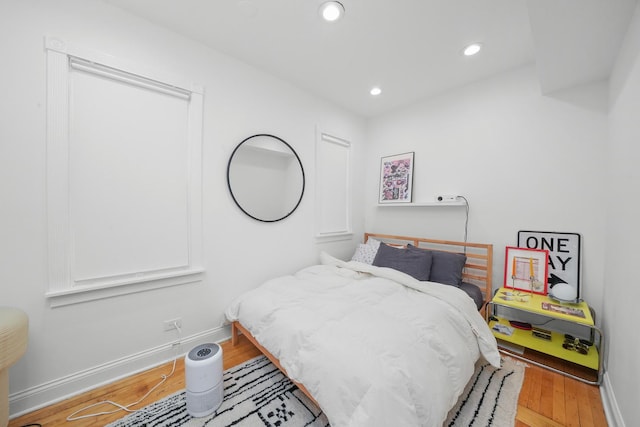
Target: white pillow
366,253
373,242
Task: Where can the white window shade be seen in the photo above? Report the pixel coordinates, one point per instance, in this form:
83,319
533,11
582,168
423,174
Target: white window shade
333,187
124,179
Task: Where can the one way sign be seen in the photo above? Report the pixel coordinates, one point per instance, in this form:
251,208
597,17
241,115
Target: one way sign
564,255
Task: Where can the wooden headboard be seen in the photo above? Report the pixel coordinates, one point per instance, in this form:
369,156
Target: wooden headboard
478,269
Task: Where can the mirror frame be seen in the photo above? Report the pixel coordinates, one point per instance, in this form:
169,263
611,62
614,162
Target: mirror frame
229,180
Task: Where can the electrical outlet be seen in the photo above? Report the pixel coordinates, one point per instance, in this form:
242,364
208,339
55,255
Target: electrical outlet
170,325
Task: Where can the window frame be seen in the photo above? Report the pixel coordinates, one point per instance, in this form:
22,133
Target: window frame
63,288
345,232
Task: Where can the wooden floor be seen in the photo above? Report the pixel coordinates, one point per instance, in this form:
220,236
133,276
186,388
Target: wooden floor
547,399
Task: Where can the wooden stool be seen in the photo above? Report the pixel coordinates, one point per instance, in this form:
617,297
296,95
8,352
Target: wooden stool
14,333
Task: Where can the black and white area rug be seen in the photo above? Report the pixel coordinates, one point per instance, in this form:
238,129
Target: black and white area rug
490,397
257,394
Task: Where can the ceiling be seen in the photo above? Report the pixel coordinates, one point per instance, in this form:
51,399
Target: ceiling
411,49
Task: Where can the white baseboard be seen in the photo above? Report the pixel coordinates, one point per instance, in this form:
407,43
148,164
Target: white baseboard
63,388
611,410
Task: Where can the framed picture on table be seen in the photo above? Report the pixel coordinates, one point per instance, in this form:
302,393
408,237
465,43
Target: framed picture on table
526,269
396,178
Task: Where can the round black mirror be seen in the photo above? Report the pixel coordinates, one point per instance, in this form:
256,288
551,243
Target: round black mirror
265,178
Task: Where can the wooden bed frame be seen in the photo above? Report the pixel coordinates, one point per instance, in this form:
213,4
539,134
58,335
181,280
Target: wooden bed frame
237,328
477,271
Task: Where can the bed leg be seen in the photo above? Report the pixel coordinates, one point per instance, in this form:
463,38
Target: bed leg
234,334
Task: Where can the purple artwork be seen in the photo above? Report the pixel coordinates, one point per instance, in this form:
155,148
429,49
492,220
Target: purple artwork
396,173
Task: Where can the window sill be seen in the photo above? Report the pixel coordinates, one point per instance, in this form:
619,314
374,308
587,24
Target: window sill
82,294
334,237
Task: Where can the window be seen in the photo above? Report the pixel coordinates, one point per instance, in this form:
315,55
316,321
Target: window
333,186
123,177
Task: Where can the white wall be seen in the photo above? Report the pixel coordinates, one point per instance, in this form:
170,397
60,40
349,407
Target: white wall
622,292
524,162
77,346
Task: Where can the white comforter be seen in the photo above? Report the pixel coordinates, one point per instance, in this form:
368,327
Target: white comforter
374,346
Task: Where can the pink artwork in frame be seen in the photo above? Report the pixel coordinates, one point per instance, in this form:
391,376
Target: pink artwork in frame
396,178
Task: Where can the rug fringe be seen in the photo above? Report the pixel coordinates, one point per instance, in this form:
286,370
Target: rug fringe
517,362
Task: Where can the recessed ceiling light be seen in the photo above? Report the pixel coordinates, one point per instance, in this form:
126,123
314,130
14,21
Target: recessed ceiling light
375,91
331,10
472,49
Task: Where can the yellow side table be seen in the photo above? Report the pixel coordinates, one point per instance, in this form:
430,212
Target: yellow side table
542,305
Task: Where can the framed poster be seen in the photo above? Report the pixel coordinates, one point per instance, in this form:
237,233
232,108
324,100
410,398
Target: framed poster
396,178
564,255
526,269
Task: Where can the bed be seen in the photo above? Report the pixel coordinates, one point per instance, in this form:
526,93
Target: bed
374,340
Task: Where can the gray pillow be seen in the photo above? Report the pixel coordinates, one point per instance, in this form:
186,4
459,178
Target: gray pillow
446,267
414,263
474,292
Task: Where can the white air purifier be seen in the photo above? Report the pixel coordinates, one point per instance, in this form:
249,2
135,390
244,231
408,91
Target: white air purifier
203,378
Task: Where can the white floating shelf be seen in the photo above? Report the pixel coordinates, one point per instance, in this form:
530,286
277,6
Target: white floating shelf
416,204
